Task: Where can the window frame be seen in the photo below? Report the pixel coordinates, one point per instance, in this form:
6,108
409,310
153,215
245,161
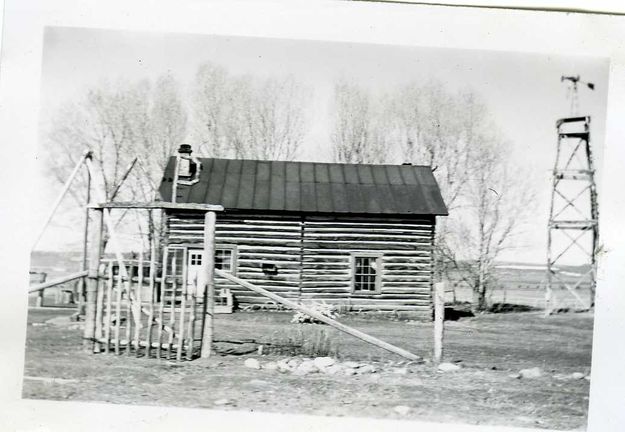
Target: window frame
231,247
378,272
234,256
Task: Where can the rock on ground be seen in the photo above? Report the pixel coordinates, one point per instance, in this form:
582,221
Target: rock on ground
402,409
534,372
252,363
448,367
323,362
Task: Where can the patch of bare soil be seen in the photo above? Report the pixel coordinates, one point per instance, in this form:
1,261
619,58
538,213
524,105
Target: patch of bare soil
491,349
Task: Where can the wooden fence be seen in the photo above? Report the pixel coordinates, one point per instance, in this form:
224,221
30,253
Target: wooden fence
151,313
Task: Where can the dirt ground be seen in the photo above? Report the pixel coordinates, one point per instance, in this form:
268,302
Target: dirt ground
491,348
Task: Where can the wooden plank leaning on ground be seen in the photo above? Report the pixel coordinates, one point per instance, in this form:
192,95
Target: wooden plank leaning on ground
342,327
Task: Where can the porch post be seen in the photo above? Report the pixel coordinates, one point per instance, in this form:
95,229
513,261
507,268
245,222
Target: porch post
208,268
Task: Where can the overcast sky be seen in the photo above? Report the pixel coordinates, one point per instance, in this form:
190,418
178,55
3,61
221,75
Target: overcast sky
523,91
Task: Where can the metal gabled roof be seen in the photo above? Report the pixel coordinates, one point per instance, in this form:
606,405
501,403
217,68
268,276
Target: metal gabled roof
310,187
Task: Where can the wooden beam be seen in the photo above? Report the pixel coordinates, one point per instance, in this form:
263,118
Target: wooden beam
123,179
92,281
208,268
337,325
86,156
58,281
158,205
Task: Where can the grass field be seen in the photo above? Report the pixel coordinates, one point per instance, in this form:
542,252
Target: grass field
489,347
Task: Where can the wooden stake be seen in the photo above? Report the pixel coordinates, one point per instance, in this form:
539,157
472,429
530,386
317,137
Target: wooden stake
129,314
118,310
92,282
139,288
99,316
208,268
148,335
172,308
109,311
183,305
439,320
161,305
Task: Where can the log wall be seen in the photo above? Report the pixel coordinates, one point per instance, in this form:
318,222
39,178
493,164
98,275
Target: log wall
313,256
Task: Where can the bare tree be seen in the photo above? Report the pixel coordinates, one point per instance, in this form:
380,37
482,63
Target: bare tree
360,133
245,117
495,206
118,123
452,132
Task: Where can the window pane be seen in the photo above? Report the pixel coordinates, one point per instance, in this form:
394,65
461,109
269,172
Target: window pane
364,274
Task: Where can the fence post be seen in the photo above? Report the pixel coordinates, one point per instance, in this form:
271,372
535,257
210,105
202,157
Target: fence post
439,317
208,268
92,281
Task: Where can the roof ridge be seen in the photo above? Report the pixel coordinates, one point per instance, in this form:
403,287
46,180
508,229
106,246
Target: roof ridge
314,162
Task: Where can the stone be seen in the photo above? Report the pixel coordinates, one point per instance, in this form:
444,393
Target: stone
402,409
448,367
306,367
351,364
252,363
293,363
333,370
283,366
221,402
349,371
270,366
366,369
577,376
323,362
587,378
515,376
534,372
400,371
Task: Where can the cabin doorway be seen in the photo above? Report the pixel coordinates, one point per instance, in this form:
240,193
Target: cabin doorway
194,271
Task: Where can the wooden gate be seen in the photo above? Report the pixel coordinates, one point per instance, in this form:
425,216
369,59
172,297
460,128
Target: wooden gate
153,312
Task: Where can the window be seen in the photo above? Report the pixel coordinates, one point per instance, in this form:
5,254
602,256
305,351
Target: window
195,258
224,259
366,274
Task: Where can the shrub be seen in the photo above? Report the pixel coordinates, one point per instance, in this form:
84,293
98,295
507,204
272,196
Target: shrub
324,309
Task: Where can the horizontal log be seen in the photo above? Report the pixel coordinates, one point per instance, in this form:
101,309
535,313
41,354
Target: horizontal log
310,251
398,229
365,237
262,256
367,222
238,234
58,281
245,248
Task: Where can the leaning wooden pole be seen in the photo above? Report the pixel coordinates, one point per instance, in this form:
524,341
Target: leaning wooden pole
64,279
208,269
86,155
92,280
337,325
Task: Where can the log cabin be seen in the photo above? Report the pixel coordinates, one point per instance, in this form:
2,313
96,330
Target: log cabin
354,235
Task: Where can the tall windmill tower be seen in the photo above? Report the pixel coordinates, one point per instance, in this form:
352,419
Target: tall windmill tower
573,229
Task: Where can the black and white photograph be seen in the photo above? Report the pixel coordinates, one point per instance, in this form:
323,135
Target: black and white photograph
319,227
